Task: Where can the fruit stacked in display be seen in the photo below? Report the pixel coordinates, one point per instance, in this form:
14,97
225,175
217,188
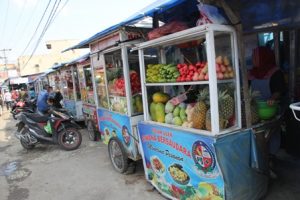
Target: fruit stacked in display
226,110
223,68
199,112
175,114
196,72
137,103
161,73
118,86
135,82
157,107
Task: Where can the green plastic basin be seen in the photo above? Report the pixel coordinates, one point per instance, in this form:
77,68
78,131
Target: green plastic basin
266,111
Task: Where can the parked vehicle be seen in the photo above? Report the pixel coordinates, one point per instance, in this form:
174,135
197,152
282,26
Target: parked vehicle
23,106
56,128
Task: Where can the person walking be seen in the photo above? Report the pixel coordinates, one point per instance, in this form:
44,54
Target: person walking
1,104
7,99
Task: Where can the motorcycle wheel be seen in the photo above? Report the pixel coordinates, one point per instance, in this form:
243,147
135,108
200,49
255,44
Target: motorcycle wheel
117,155
69,139
25,145
14,116
91,131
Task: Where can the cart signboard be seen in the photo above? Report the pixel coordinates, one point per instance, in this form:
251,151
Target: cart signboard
112,124
180,164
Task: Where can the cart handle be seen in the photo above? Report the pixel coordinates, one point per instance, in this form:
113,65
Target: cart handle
295,106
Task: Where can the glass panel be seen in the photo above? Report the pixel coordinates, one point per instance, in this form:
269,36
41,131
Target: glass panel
100,86
182,105
67,84
226,90
77,90
87,91
182,62
116,81
135,82
54,81
224,57
185,105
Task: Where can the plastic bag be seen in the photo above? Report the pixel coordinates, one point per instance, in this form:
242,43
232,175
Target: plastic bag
210,15
166,29
48,128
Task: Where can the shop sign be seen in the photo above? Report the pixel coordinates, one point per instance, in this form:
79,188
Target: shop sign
180,164
115,125
107,42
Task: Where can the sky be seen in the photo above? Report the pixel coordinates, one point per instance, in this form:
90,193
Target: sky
76,19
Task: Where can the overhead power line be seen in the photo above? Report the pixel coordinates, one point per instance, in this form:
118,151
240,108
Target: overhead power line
36,29
52,16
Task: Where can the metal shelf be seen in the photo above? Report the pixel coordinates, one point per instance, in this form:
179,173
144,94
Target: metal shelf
178,83
189,83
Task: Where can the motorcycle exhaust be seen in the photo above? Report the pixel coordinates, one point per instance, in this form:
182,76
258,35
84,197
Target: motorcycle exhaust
35,134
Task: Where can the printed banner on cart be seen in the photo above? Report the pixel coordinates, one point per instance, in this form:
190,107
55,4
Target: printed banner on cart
180,164
115,125
70,106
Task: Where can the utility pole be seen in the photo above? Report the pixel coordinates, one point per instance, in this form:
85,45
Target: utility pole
4,57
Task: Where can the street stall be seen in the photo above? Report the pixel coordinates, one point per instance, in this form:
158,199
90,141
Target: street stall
87,95
54,80
40,82
118,91
70,89
192,141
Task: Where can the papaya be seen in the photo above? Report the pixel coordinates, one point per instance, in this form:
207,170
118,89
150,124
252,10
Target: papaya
160,112
152,111
160,97
139,103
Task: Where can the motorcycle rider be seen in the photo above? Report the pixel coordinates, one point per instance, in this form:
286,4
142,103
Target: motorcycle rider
42,101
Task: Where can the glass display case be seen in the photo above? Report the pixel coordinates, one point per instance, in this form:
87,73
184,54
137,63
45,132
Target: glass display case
67,84
185,73
114,95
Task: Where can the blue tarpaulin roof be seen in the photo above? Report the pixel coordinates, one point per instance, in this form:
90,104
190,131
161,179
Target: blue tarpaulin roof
254,14
157,7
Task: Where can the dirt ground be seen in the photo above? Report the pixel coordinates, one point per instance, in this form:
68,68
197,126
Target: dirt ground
48,172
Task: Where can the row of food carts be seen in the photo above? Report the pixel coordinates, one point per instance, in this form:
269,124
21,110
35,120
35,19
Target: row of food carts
172,99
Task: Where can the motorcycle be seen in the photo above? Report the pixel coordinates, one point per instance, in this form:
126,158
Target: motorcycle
23,106
58,128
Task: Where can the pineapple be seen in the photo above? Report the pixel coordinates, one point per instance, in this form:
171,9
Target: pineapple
200,109
222,122
226,105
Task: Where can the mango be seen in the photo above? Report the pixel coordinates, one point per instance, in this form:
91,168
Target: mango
182,114
159,97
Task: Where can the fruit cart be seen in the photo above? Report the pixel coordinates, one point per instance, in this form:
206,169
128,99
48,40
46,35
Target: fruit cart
87,96
191,139
70,90
118,92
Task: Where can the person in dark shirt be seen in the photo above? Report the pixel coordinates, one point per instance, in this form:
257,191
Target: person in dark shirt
266,77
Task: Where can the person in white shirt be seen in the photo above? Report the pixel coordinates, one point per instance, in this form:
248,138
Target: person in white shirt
7,99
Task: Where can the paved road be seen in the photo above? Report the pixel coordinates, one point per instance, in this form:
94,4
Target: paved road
48,172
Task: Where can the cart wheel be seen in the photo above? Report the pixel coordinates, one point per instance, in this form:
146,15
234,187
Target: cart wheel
118,155
91,131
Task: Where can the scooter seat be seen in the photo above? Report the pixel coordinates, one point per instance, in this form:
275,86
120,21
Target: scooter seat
36,117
